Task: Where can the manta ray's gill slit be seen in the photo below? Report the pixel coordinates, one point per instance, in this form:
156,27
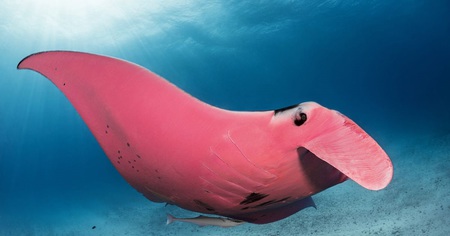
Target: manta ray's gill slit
221,187
253,197
268,173
204,205
271,202
233,178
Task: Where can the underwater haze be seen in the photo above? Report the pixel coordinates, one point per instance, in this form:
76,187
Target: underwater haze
385,64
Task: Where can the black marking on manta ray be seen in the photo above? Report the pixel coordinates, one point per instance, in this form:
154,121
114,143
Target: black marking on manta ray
204,205
128,144
271,202
253,197
265,203
138,156
118,151
285,108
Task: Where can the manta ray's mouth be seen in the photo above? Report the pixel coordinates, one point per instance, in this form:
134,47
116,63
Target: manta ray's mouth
320,174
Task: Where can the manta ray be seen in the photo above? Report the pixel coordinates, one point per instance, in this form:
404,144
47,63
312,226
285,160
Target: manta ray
258,167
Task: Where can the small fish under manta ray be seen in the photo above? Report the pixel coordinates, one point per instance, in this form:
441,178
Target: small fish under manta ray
257,167
206,221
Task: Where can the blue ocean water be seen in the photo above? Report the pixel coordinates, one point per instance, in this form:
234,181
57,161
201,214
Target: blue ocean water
385,64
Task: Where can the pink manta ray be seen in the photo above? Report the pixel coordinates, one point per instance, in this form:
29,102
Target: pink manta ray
258,167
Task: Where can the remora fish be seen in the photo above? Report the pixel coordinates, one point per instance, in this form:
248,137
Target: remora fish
202,220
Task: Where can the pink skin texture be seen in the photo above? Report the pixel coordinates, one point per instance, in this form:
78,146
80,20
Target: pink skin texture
259,167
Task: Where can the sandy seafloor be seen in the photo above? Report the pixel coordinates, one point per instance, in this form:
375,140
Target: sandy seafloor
385,64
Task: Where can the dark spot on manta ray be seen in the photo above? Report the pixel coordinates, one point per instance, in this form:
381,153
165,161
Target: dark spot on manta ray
129,162
283,199
118,151
118,162
253,197
93,227
128,144
106,131
285,108
138,156
64,84
204,205
132,167
265,203
107,126
270,202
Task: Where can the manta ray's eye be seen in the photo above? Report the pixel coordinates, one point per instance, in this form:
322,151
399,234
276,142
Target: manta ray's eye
300,118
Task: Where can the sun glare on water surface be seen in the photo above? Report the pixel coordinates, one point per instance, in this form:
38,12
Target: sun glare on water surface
82,19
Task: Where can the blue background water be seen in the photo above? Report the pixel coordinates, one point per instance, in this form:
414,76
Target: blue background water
385,64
